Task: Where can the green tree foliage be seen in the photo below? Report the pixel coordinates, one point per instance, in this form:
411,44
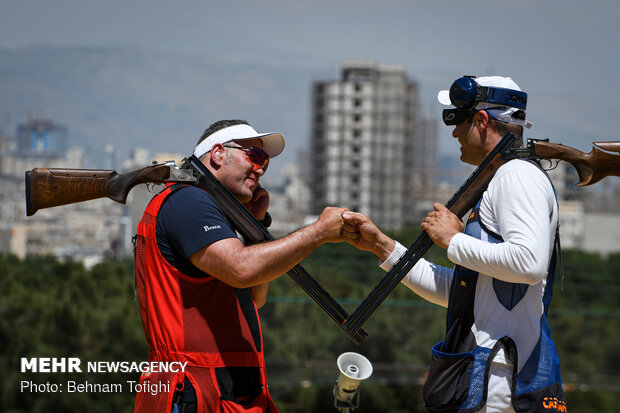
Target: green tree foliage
54,309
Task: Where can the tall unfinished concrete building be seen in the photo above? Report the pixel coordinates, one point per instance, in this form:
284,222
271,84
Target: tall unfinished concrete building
371,150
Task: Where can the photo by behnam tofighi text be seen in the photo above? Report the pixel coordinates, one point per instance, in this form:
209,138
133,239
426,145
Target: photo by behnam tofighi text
48,365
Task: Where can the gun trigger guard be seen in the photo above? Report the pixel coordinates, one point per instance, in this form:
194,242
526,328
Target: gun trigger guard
551,165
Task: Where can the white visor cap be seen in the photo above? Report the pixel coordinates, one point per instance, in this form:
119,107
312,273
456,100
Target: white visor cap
273,143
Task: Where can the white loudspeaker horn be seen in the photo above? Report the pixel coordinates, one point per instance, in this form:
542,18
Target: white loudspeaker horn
353,369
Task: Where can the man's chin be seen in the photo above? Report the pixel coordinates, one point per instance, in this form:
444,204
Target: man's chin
466,159
244,197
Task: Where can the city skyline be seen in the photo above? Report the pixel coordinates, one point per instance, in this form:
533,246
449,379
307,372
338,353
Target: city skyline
562,53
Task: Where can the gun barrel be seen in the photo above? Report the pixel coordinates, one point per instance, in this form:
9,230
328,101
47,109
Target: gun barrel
254,232
461,202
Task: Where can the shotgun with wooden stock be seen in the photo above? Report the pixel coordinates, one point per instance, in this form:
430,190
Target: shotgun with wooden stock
49,187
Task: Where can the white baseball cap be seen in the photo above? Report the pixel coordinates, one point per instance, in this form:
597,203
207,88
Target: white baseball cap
500,112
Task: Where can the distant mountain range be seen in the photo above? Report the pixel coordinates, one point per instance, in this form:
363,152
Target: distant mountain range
161,101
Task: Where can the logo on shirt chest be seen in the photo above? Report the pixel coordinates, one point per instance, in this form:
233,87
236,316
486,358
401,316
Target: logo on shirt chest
209,228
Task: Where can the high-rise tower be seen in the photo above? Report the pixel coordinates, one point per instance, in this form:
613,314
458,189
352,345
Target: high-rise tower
371,150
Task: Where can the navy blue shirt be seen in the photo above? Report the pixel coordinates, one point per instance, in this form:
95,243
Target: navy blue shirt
188,221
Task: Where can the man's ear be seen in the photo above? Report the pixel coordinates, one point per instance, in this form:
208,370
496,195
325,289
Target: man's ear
481,120
217,154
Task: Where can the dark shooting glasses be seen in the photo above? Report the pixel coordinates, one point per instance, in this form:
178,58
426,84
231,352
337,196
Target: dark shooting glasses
465,93
455,116
257,157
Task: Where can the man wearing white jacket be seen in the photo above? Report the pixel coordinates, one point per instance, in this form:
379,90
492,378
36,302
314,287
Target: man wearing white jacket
497,355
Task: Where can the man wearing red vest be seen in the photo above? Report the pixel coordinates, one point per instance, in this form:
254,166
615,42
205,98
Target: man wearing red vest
199,287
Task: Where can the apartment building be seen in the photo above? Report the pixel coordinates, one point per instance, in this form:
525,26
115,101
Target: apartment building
371,149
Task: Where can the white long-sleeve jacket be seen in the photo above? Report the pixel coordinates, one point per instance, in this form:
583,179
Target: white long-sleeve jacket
519,205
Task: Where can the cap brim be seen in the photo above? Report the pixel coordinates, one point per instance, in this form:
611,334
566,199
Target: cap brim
444,97
273,143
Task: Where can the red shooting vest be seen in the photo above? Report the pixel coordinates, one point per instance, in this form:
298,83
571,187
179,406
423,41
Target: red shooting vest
201,321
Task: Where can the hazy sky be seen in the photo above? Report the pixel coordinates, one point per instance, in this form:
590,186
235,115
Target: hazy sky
564,53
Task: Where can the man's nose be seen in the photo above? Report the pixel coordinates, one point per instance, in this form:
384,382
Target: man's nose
259,171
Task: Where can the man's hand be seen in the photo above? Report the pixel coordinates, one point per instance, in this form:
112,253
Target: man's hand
363,234
259,203
441,225
329,225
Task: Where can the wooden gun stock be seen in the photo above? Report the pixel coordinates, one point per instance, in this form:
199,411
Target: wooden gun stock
591,167
50,187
